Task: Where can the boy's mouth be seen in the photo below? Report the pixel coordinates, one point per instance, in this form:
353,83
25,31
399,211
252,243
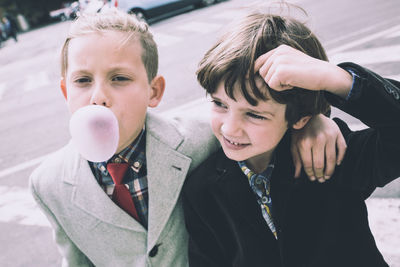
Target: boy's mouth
233,145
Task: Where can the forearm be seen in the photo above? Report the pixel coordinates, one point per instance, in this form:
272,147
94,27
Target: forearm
337,80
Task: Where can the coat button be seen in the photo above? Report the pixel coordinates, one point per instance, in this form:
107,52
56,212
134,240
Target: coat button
388,89
396,95
153,252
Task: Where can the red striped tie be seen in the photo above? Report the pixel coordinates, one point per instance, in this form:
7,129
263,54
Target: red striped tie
121,195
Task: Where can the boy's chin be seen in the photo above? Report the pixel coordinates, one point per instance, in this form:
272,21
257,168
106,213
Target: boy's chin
234,156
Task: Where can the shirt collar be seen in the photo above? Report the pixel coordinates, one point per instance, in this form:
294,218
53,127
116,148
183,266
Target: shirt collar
251,175
134,155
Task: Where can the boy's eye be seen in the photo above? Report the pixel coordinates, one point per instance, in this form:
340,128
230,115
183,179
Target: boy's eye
120,79
83,80
255,116
218,103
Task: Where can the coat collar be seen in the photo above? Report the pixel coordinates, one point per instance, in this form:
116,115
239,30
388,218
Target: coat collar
166,172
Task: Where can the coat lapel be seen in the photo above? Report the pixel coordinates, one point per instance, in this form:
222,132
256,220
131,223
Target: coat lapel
166,172
234,186
89,196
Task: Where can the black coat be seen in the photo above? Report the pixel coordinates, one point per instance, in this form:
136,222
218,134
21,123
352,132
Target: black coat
319,225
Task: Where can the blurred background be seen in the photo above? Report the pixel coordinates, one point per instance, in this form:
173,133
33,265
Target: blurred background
34,118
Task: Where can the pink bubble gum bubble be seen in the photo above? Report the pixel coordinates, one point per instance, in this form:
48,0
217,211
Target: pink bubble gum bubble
94,131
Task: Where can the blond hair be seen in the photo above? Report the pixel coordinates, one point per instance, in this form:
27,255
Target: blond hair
115,20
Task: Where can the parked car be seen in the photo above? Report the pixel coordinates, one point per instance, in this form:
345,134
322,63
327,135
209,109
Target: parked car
93,6
150,10
68,11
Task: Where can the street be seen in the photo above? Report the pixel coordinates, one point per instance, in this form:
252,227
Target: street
34,118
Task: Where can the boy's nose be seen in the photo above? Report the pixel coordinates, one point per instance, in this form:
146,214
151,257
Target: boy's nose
99,97
231,127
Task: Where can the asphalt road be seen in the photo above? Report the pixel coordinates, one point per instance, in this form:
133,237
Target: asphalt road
34,118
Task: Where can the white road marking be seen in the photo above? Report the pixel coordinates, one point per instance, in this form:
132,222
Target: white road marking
394,77
369,56
361,31
22,166
17,206
394,35
35,81
200,27
363,40
230,14
166,39
357,126
2,90
384,217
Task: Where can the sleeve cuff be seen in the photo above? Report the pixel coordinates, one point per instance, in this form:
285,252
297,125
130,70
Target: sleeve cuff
355,90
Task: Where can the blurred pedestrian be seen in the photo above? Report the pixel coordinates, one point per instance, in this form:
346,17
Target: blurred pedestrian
3,36
10,26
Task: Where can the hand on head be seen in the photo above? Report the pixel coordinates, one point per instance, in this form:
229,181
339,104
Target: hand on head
284,67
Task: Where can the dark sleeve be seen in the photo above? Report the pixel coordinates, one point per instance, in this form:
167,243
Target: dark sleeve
373,155
200,213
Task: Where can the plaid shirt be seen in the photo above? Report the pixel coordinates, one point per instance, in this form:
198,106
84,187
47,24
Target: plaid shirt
135,177
260,185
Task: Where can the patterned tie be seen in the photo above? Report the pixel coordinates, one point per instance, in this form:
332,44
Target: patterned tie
260,185
121,195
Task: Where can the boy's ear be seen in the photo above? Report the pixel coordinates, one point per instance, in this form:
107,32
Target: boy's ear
63,88
301,123
157,90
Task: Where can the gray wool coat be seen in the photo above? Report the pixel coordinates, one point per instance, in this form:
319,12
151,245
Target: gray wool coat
90,229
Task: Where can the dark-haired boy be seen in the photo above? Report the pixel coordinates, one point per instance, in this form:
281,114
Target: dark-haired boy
242,205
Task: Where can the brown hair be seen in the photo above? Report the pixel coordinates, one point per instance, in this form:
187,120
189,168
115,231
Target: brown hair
115,20
231,60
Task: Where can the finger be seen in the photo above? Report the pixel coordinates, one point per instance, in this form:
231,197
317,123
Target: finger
266,69
296,161
260,61
306,158
318,156
269,74
275,83
330,163
341,148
